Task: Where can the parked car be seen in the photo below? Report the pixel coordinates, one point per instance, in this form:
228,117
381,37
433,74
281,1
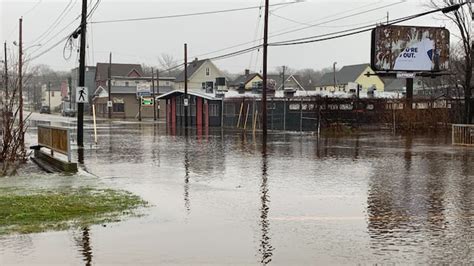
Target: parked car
68,112
45,110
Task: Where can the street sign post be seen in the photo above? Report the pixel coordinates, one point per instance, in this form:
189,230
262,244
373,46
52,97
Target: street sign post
82,95
109,104
186,102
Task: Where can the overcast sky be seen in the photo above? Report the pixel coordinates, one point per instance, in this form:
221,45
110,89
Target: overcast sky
145,41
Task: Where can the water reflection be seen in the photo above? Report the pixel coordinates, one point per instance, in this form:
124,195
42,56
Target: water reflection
83,243
411,209
187,203
266,248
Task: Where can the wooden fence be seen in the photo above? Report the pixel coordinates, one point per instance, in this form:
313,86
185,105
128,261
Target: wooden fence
463,135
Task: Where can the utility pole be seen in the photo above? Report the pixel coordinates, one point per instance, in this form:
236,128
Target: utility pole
264,83
334,73
20,85
185,103
6,71
157,87
109,108
153,92
49,95
82,68
283,78
69,84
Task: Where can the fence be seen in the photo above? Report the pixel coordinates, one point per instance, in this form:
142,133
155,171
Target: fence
313,113
55,138
463,135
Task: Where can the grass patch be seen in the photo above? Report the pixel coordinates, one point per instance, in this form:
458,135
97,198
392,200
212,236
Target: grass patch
42,210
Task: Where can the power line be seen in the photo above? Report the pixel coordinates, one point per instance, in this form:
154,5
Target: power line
358,30
285,31
56,22
188,14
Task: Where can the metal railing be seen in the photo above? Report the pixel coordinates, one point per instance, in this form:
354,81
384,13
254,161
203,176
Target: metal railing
463,135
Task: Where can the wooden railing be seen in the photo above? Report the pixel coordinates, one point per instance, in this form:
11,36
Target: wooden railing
463,135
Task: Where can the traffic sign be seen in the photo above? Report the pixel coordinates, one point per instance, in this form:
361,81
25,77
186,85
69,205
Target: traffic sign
147,101
186,102
82,95
109,104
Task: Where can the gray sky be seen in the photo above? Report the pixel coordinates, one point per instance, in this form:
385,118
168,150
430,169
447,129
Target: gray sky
144,41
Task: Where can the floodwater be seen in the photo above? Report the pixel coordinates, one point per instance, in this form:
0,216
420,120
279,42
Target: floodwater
223,197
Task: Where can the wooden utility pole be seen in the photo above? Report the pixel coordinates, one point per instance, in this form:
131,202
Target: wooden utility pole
283,79
20,85
6,71
49,95
82,69
185,103
334,74
264,83
69,84
109,108
157,88
153,92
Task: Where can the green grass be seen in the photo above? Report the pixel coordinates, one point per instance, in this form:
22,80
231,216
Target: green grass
42,210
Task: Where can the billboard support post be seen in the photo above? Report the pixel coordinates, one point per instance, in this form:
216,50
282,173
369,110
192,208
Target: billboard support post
409,93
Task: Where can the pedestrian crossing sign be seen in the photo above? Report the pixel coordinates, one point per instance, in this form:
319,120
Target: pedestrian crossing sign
82,95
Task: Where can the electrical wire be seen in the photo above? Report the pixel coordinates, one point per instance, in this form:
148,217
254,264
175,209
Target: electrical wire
188,14
355,31
56,22
286,31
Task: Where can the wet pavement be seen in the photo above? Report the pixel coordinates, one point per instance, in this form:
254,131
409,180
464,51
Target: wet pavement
223,197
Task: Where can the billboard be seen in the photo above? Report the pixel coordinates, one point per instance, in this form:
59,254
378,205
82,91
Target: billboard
143,89
410,48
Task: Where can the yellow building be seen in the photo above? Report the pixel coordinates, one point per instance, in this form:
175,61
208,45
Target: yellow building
249,80
341,80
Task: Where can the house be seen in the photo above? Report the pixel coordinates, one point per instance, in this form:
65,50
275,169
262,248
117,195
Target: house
250,81
126,79
51,96
204,109
340,81
292,82
125,98
202,75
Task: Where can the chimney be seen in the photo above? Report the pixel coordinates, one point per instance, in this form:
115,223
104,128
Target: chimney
247,72
195,61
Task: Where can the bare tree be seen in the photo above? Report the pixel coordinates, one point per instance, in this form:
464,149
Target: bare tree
167,62
462,18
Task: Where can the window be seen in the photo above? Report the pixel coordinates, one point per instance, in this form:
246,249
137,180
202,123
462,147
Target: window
118,107
126,83
213,110
208,71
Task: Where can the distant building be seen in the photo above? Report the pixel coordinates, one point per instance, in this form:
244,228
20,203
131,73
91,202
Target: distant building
249,81
51,97
89,82
351,74
201,75
292,82
125,80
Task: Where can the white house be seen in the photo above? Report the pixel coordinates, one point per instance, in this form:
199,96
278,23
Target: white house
201,75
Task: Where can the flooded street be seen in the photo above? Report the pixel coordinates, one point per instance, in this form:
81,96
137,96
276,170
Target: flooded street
223,197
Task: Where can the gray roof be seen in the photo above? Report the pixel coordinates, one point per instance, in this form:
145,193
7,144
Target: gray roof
133,89
345,75
122,70
192,68
243,79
